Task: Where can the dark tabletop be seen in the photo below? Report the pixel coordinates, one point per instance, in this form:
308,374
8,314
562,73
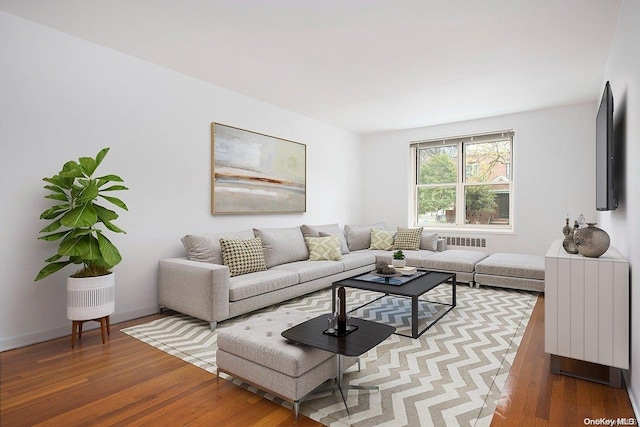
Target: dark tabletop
368,335
415,287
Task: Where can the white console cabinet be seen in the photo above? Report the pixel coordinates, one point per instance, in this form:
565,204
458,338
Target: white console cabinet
587,309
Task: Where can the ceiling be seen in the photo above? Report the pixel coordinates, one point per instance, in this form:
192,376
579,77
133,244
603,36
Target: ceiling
364,66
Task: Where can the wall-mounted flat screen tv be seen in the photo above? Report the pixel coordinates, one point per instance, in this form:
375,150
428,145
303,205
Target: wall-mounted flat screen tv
606,197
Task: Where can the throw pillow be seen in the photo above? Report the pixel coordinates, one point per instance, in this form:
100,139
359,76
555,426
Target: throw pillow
382,239
243,256
408,239
206,247
429,241
329,230
359,236
282,245
324,248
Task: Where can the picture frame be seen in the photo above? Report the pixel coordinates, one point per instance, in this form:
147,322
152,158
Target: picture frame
254,173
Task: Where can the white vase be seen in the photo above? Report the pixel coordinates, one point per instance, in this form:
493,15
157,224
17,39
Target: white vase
90,298
399,263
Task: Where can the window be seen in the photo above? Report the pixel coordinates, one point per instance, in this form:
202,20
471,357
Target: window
464,181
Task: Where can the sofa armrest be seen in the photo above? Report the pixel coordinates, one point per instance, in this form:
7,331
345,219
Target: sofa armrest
195,288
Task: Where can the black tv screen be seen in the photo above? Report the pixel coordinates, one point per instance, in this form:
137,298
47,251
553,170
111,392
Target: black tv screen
606,199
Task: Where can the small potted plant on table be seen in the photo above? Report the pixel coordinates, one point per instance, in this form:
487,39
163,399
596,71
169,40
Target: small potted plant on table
398,260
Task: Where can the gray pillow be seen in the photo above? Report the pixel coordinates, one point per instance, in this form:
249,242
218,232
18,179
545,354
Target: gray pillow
206,247
282,245
429,241
359,236
327,229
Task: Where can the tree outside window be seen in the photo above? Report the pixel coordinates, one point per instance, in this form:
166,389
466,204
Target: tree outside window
481,192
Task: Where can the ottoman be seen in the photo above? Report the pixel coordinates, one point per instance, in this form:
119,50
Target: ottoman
456,261
515,271
254,352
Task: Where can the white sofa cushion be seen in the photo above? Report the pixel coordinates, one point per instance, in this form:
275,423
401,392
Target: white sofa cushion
311,270
282,245
259,283
206,247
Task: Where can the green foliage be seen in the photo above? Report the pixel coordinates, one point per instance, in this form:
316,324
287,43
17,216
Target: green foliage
398,255
437,169
480,198
76,221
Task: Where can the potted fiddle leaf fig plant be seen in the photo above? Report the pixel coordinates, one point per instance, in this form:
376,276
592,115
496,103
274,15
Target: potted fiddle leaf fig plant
398,260
79,222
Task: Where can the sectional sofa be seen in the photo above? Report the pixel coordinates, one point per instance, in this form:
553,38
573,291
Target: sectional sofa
202,286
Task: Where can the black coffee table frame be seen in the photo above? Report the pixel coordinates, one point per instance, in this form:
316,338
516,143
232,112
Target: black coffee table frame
412,289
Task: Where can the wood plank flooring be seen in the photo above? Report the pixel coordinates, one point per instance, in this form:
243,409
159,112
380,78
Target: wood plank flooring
127,382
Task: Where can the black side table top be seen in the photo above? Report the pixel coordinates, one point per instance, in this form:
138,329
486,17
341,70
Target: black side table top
368,335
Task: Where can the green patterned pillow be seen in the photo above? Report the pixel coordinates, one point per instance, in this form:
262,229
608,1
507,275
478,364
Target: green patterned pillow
243,256
324,248
382,239
407,239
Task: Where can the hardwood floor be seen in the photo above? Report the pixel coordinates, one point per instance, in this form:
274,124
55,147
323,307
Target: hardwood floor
127,382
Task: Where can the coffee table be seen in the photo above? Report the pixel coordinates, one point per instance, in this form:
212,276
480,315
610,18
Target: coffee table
405,287
368,335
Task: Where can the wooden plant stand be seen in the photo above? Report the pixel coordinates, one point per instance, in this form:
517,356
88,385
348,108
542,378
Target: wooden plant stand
76,328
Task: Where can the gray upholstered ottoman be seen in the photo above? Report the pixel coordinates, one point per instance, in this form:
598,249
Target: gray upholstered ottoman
456,261
515,271
256,353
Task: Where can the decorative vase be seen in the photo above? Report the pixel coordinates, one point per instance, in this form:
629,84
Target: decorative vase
568,244
90,298
399,263
591,241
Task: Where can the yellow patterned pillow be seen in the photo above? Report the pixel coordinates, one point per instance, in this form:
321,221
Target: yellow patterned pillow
324,248
382,239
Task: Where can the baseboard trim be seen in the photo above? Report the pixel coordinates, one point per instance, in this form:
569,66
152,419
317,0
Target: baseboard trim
633,397
50,334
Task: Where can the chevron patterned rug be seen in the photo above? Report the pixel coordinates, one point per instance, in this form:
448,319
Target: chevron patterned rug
452,375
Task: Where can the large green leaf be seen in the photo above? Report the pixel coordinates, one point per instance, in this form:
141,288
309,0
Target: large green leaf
101,155
82,216
119,203
57,196
104,213
60,181
112,227
115,188
54,236
54,188
53,258
88,165
51,268
71,170
102,180
110,253
54,211
51,227
85,247
88,194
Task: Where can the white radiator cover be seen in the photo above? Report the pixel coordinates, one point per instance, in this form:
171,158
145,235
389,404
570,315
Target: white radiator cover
479,243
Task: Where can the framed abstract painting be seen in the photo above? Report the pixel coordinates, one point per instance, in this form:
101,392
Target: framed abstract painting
256,173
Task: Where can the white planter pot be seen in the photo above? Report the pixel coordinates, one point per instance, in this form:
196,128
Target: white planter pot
399,263
90,298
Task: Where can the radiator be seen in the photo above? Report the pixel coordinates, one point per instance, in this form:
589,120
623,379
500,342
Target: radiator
462,242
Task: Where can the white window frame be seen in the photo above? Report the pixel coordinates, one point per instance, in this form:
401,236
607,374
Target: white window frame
460,185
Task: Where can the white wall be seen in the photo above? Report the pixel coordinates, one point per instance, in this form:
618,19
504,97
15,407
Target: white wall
554,160
62,98
623,224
